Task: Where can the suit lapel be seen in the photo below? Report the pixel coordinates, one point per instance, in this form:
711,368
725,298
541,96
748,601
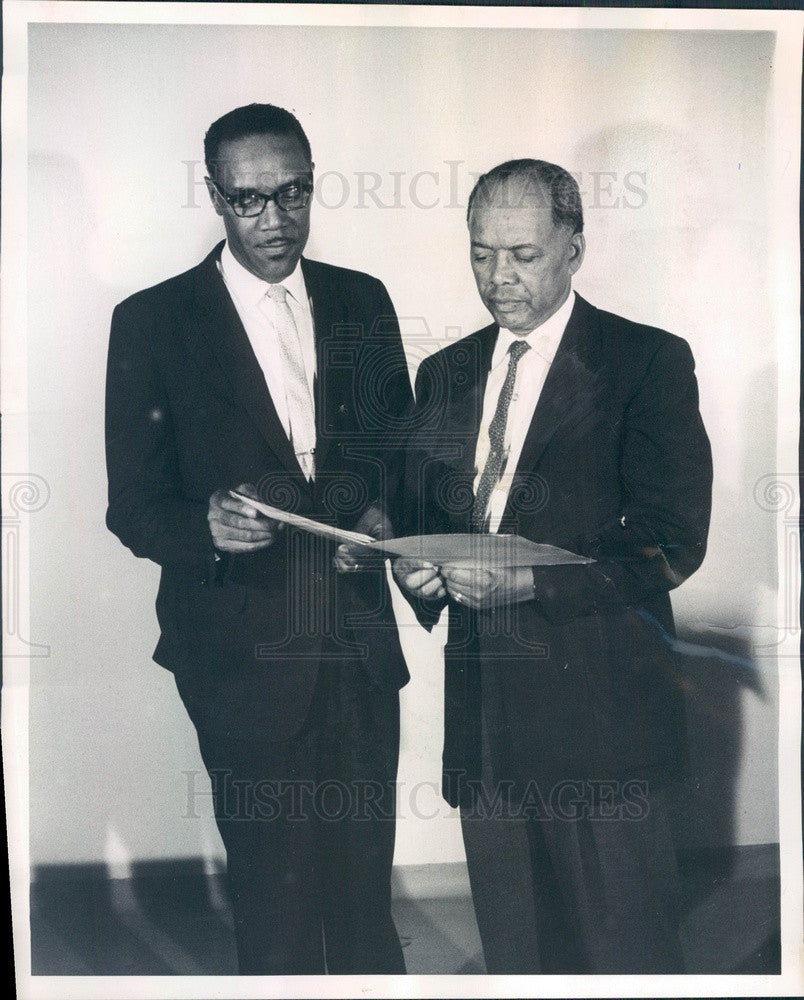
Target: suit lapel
568,391
469,403
465,387
224,337
335,374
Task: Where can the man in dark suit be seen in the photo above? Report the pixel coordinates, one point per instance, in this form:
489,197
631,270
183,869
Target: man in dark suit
265,372
564,720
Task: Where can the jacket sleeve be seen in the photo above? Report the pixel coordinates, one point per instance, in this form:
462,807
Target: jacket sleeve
146,507
390,397
658,538
415,507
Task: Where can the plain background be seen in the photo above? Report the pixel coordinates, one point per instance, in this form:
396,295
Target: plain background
671,136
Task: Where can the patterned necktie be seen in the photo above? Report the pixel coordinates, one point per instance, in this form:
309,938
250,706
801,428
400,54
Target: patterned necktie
301,408
495,463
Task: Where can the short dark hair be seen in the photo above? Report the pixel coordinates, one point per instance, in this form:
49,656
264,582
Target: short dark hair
252,119
565,195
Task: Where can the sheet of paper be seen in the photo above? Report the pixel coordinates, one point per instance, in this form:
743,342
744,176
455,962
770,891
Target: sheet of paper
305,523
490,550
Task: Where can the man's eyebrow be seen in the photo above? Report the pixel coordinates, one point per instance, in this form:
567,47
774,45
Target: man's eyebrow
299,178
518,246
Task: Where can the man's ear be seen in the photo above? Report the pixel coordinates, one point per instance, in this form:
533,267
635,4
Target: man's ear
577,249
214,197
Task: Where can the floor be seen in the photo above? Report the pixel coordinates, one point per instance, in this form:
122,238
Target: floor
171,918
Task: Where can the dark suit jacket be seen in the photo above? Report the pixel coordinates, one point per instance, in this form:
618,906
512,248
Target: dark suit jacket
188,413
616,466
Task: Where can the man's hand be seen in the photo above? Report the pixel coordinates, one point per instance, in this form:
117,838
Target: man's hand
478,588
421,579
237,527
351,557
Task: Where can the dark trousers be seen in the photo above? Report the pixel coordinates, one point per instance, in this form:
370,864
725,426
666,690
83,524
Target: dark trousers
308,826
592,894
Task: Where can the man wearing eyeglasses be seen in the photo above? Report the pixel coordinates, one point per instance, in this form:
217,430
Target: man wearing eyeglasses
281,378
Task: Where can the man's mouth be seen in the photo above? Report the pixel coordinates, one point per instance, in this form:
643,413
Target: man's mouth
278,244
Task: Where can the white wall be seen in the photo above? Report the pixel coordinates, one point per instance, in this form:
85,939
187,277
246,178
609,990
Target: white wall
115,114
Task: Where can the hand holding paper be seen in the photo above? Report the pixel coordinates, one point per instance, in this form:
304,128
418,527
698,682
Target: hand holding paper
421,579
352,556
304,523
235,523
478,587
488,551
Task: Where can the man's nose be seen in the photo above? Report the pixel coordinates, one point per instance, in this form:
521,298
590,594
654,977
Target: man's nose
271,217
501,272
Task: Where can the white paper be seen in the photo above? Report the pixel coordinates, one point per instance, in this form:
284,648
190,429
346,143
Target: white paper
305,523
499,551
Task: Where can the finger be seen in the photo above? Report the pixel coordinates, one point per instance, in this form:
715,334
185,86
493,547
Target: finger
459,593
342,567
420,578
344,564
357,551
433,589
233,519
411,565
246,515
375,523
244,533
461,574
230,504
229,523
248,490
465,600
232,545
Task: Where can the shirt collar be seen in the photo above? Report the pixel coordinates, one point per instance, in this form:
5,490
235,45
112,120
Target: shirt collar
250,289
543,340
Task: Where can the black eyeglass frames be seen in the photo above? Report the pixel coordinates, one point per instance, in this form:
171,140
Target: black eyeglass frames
248,203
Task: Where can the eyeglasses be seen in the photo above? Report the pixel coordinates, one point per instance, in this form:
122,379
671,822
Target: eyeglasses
248,203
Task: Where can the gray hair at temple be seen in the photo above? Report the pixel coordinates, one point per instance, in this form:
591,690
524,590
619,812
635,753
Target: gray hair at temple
563,189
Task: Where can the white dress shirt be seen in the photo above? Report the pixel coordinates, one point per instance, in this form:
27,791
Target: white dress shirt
249,294
531,373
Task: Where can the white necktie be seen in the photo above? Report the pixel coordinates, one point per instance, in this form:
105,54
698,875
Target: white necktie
301,407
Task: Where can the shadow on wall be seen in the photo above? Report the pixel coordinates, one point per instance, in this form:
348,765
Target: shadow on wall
723,669
107,729
716,673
